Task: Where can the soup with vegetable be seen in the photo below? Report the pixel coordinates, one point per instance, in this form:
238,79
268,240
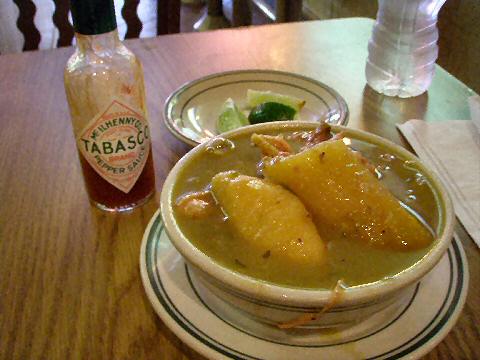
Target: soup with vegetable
306,208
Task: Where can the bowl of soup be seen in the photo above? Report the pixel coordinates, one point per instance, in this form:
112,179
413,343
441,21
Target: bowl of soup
298,225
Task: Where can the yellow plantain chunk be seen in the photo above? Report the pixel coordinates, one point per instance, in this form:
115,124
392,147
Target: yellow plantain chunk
271,219
346,199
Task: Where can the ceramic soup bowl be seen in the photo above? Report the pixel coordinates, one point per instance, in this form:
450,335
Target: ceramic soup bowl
275,304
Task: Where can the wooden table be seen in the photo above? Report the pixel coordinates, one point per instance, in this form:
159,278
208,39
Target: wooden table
70,285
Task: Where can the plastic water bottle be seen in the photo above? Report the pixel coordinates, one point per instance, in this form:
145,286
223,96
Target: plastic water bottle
403,48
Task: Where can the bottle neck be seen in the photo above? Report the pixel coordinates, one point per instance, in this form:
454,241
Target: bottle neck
97,43
93,17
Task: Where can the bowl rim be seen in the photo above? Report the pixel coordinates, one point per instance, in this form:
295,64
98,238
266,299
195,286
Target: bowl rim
170,102
277,294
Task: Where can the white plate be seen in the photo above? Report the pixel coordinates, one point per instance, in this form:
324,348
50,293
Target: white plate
407,330
191,112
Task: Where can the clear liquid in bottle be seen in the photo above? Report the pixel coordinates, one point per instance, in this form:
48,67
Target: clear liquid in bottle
403,48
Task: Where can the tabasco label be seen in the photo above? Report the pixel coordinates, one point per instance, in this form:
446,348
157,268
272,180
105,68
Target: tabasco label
116,144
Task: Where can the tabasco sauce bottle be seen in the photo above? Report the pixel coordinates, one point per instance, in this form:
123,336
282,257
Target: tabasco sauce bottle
106,94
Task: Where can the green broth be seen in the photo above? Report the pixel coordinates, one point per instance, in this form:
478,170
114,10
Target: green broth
353,262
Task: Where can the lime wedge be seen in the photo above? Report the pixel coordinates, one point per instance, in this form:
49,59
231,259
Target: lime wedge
255,97
271,111
230,117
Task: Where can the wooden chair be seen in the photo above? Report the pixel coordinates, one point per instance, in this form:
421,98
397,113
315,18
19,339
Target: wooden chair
167,16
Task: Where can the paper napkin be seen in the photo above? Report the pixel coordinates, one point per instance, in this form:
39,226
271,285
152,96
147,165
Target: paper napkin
452,149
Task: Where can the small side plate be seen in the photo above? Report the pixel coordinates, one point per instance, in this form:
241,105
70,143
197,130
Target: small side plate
191,112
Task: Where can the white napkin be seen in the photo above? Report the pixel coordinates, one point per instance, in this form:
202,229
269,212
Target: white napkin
452,148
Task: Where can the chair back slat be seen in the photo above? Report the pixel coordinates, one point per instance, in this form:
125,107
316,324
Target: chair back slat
129,13
60,19
26,24
54,14
168,16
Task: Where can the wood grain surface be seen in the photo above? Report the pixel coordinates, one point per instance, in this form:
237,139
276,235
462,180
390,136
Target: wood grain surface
70,285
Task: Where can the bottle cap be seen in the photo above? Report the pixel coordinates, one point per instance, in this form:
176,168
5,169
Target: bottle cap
93,17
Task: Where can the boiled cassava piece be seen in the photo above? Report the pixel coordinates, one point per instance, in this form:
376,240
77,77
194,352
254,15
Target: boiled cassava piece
346,199
270,218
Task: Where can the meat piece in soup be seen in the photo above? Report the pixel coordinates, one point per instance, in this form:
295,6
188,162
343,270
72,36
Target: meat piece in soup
346,199
270,218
